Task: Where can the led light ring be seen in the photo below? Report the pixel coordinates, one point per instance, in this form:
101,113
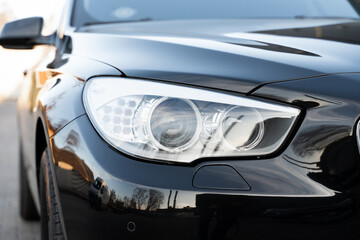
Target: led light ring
254,143
188,144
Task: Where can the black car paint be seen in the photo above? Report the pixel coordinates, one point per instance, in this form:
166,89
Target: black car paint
235,55
308,190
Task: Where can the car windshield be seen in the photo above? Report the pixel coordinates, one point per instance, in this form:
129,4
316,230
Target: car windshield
87,12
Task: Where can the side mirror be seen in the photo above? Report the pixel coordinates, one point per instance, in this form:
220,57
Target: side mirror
24,34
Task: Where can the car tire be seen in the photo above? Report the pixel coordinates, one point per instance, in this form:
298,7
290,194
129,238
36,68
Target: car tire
27,206
51,226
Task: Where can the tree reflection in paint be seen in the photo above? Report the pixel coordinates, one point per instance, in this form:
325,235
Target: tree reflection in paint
141,199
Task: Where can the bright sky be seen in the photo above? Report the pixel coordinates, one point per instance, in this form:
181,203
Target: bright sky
14,62
28,8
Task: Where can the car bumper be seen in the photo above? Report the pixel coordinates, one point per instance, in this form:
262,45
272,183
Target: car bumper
285,197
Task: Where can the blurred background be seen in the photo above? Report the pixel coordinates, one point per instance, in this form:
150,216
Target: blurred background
14,62
12,65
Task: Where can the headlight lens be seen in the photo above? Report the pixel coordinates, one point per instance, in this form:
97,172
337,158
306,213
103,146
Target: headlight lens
161,121
174,124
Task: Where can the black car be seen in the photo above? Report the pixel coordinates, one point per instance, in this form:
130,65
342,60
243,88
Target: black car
193,119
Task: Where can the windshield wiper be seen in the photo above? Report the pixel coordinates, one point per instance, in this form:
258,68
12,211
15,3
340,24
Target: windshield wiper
121,21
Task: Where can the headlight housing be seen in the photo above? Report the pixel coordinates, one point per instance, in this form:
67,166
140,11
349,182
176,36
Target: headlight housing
160,121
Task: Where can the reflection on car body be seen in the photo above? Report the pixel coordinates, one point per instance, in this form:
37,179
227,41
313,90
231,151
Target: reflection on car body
99,193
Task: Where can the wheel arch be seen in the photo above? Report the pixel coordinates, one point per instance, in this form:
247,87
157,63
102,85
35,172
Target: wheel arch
40,145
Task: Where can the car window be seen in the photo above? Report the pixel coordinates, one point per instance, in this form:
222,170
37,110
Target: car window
96,11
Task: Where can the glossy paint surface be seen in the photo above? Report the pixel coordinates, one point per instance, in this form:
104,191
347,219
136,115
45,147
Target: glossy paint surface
308,190
50,99
234,55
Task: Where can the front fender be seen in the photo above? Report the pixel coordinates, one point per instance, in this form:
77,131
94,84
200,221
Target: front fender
51,98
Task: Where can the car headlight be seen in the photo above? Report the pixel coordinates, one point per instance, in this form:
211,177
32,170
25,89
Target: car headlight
168,122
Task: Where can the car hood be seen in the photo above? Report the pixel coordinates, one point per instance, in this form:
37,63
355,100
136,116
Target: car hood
235,55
